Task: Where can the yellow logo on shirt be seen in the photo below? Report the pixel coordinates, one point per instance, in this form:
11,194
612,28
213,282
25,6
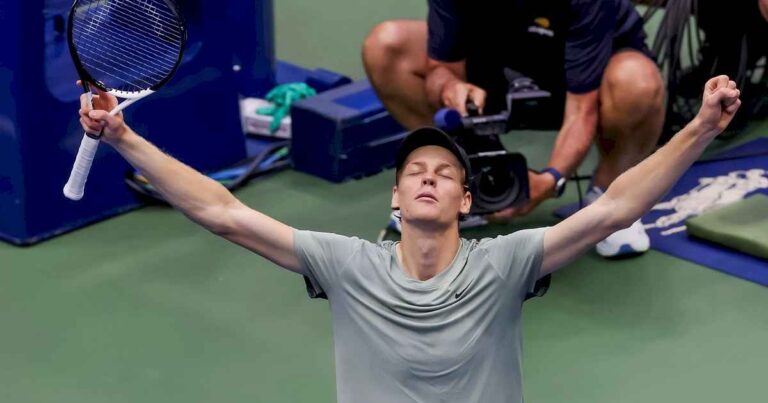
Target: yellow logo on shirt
542,22
541,26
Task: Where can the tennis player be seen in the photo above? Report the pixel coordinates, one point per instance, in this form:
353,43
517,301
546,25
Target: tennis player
433,317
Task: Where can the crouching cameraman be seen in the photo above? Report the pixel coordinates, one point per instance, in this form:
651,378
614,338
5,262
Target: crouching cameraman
591,56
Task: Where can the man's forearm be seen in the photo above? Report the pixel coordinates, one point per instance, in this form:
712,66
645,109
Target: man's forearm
183,187
436,80
638,189
573,142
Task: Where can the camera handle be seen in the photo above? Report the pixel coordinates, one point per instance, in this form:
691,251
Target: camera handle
472,109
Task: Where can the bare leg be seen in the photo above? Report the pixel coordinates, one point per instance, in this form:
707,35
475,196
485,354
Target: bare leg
395,60
631,114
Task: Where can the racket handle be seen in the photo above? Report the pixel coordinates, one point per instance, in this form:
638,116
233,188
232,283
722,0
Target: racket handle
75,186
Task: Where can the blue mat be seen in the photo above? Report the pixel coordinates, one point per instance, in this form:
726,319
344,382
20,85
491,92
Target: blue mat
698,183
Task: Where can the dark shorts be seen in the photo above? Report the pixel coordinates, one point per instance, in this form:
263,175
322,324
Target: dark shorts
546,113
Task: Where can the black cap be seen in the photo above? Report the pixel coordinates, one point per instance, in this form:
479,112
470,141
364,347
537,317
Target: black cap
431,136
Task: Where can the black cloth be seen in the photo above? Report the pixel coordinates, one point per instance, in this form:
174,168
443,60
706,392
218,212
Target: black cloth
564,45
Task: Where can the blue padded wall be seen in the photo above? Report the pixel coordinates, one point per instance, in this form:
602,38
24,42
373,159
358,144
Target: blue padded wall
195,117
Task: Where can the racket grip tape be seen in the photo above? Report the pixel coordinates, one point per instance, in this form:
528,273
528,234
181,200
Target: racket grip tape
75,187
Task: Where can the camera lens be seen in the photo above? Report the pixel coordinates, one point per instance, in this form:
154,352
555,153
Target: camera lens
500,183
497,182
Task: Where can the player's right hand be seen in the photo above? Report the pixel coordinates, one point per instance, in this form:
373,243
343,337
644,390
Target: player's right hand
456,93
97,119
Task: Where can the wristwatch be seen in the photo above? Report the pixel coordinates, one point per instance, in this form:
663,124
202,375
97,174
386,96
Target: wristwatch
559,180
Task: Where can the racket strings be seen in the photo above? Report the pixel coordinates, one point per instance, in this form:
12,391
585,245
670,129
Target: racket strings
160,23
107,54
92,41
128,45
135,15
145,55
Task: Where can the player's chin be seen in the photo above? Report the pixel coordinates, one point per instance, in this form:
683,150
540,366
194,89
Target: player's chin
427,214
422,212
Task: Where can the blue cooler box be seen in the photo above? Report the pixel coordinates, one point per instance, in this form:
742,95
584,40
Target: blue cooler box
344,133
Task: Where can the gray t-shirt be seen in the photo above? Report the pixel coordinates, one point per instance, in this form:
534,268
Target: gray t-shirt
453,338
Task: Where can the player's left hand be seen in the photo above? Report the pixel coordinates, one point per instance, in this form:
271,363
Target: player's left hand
719,104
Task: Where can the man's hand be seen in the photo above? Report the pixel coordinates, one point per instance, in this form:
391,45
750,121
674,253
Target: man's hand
719,105
455,94
96,119
542,187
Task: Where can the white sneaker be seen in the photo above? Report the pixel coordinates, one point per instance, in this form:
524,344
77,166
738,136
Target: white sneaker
473,220
625,242
394,222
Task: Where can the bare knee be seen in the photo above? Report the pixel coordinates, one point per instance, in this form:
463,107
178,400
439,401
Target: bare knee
386,43
632,86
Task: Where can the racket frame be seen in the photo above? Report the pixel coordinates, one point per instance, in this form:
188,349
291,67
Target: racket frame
74,189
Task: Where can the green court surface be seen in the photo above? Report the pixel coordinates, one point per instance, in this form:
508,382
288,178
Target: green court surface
148,307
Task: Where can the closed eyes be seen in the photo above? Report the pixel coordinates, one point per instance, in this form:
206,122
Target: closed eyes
444,170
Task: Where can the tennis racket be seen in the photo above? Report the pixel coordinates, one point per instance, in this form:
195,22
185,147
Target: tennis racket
128,48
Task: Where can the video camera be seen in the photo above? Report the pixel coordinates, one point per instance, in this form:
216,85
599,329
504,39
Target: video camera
499,178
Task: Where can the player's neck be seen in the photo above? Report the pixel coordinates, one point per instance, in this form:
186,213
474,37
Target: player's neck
425,254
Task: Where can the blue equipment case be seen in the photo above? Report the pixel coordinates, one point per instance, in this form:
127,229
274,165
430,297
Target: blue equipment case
344,133
195,117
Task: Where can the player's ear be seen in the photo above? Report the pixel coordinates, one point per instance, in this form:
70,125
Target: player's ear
395,203
466,202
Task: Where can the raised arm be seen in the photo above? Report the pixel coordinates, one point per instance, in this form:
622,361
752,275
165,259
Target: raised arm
200,198
637,190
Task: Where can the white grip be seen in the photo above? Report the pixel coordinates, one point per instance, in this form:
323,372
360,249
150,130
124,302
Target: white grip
75,186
